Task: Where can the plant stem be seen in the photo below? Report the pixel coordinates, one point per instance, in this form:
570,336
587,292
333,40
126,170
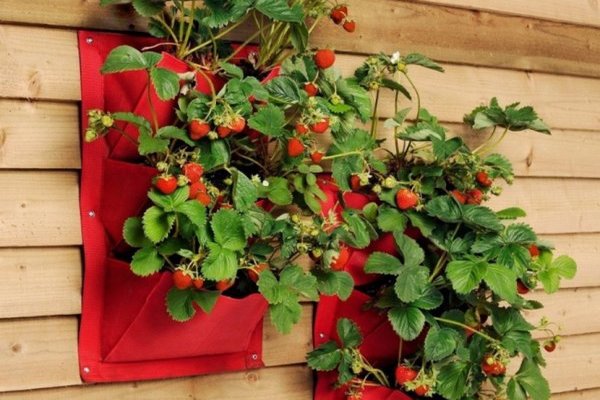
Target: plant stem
396,140
218,36
461,325
150,104
186,40
349,153
374,116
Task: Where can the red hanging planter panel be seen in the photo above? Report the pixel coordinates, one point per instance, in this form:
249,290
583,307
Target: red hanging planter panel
126,333
380,343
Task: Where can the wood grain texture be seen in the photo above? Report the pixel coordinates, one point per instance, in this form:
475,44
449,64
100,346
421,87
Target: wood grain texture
445,33
38,66
289,383
40,282
38,353
593,394
27,344
39,135
574,363
39,209
52,53
554,205
569,309
584,12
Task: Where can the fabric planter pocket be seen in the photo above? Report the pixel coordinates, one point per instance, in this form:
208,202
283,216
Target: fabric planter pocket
124,187
380,343
126,333
234,326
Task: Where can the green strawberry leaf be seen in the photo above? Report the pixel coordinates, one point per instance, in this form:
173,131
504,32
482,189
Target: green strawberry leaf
133,233
228,230
439,343
411,283
221,263
466,275
511,213
157,224
180,304
245,193
206,299
451,380
165,82
285,315
148,144
146,261
124,58
412,253
325,357
407,321
348,333
502,281
269,120
330,283
148,8
382,263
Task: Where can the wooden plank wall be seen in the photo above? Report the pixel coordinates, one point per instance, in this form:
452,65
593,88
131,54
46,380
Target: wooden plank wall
543,52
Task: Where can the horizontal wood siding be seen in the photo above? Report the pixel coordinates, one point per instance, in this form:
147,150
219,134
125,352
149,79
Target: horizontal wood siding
541,52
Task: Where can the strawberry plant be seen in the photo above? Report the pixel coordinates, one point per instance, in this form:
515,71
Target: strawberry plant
246,193
235,201
458,279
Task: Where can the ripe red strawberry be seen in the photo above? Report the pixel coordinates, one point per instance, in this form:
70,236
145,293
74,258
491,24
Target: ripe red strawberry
405,374
406,199
197,129
324,58
492,367
483,179
534,250
254,273
521,288
204,198
166,184
355,183
311,89
474,197
238,124
223,131
295,147
459,196
320,127
349,26
193,171
422,390
316,157
197,188
301,129
338,14
224,285
198,283
181,279
550,346
341,260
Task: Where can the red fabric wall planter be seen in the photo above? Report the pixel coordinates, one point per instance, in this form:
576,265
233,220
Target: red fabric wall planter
380,343
126,333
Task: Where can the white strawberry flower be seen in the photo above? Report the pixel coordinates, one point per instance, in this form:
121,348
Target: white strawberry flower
396,57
